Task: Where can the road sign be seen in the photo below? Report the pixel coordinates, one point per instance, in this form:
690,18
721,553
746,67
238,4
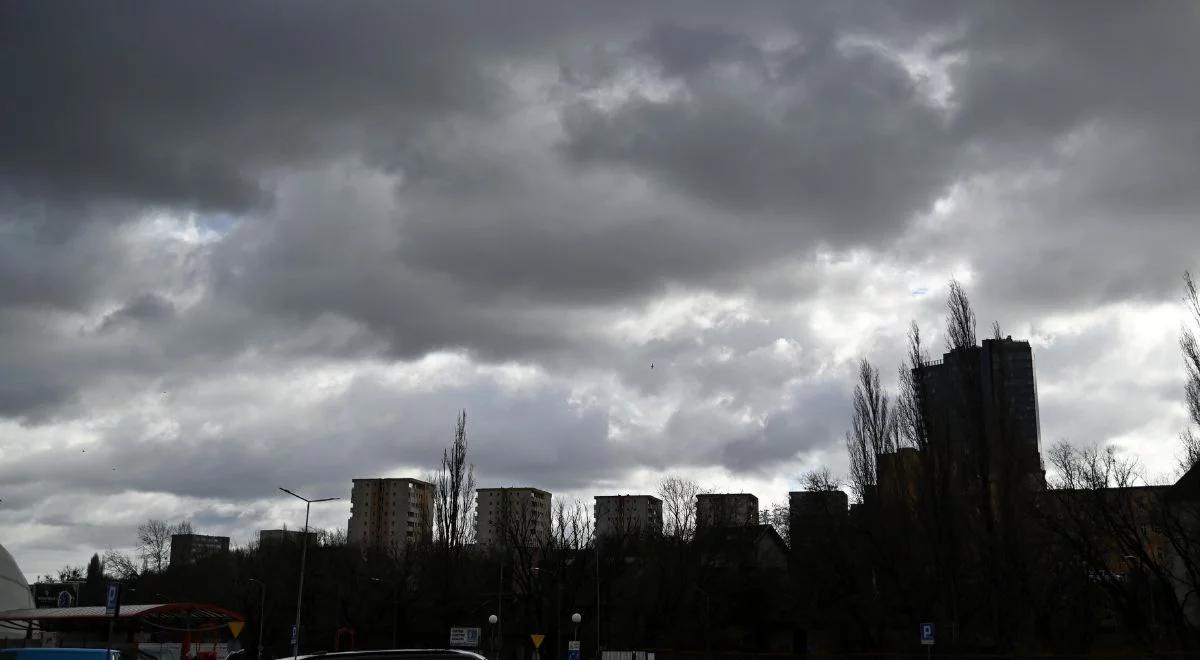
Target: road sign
112,599
235,627
537,640
294,635
464,637
64,599
573,650
927,634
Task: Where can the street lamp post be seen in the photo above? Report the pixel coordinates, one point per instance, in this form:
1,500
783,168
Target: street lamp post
575,619
494,620
303,560
262,615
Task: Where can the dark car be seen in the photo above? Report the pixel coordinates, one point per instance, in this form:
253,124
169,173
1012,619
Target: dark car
398,654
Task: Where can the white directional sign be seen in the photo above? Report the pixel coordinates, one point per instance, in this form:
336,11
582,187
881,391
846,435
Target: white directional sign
468,637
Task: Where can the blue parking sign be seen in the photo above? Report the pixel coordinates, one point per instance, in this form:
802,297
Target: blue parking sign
927,634
112,599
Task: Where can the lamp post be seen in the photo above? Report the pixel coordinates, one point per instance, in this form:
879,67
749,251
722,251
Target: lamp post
303,559
262,615
494,620
575,619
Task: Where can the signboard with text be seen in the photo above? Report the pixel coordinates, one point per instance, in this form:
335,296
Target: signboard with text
468,637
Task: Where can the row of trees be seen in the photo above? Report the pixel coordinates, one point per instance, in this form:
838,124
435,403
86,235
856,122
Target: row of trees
953,524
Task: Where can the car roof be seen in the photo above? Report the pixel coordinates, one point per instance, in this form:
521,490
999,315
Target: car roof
459,653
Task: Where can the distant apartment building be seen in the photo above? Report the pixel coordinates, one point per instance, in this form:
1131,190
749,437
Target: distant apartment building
519,515
897,476
278,536
812,514
390,514
726,510
988,394
635,515
190,548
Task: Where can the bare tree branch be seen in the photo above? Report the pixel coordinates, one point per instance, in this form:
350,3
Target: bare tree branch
872,431
960,327
154,543
679,506
454,491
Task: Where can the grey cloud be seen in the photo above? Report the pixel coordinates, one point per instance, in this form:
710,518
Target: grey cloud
372,183
145,308
840,140
814,420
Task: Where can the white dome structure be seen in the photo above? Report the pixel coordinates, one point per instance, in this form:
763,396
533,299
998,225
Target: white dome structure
14,590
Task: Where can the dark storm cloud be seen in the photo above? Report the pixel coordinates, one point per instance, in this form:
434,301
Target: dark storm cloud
192,103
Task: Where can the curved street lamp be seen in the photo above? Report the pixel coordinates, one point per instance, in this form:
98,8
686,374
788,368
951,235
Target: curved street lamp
303,559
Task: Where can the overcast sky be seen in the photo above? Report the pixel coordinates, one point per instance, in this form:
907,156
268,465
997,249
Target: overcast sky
246,245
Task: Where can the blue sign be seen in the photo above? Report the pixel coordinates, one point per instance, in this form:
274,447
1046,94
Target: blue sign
927,634
64,599
294,635
112,599
573,650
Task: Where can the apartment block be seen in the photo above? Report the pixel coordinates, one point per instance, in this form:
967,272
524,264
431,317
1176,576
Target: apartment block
726,510
391,514
189,548
635,515
518,515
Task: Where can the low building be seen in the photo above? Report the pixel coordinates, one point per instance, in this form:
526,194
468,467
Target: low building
280,536
635,515
190,548
756,547
814,514
519,515
726,510
390,514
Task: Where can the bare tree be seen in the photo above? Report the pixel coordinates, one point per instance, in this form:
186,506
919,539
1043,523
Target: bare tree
183,527
960,327
331,538
872,431
154,543
454,491
820,480
1191,360
779,517
119,565
572,525
70,574
911,428
679,506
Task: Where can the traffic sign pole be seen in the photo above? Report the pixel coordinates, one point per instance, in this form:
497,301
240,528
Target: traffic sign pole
928,638
112,607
